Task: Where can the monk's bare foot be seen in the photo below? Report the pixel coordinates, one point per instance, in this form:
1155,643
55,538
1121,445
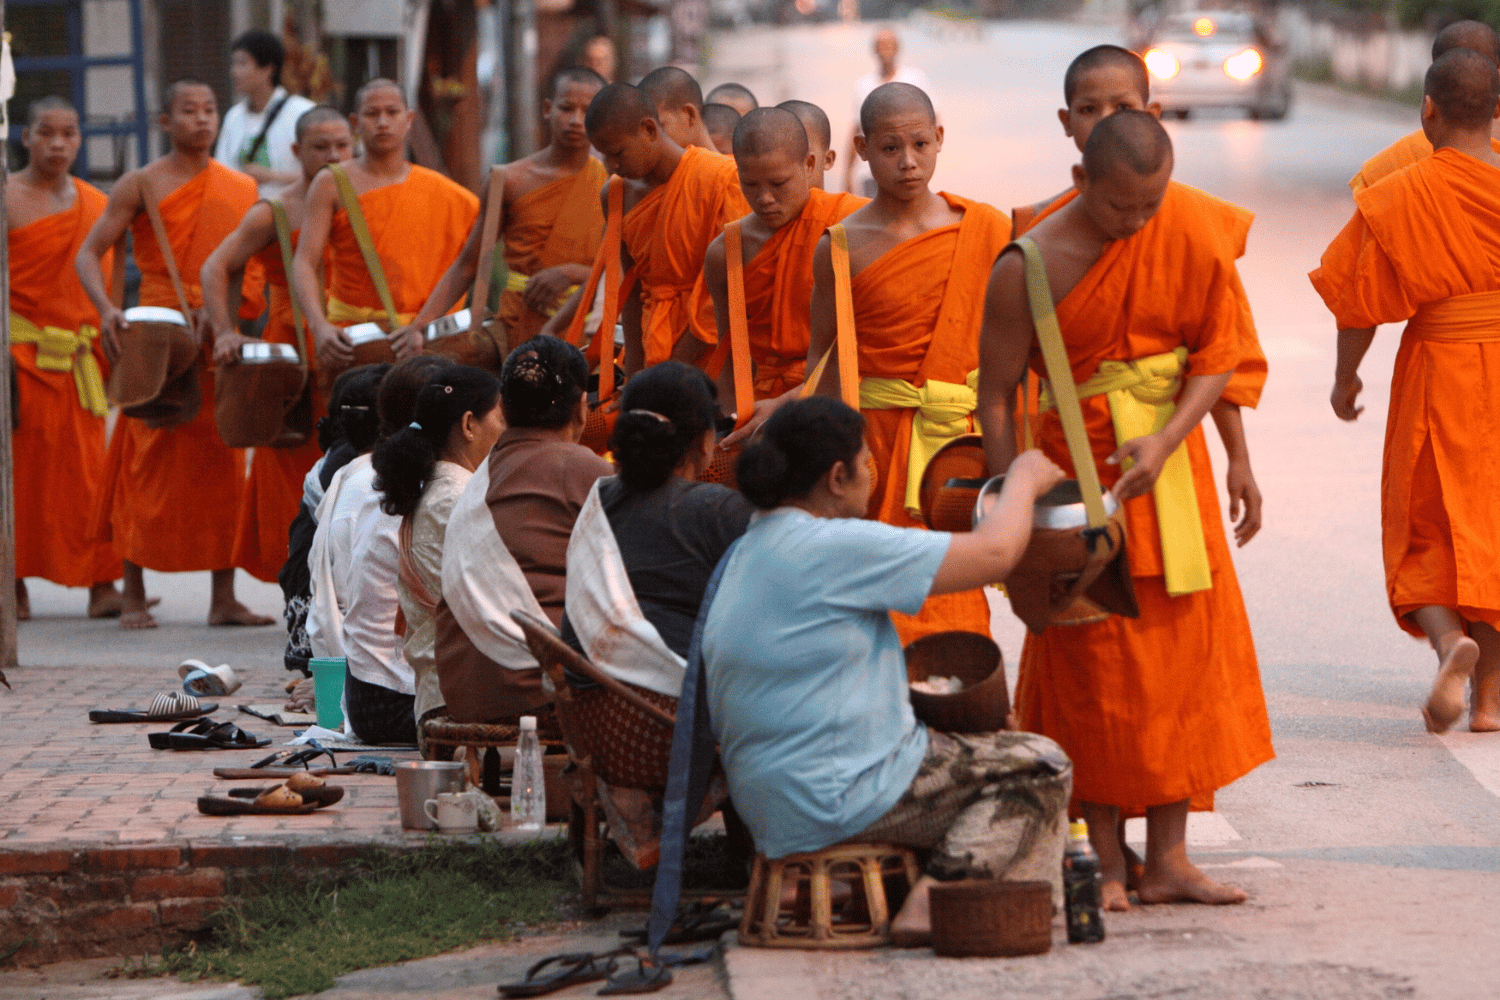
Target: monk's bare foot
1135,868
136,617
1113,896
107,602
912,927
1484,710
23,602
1185,883
1446,702
235,613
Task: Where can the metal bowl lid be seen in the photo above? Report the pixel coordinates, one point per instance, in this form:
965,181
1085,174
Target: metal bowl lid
1059,508
447,326
154,314
364,333
266,352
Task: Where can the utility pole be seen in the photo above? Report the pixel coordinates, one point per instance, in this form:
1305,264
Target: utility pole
522,43
7,467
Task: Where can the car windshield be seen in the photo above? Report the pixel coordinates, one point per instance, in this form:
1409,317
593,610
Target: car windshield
1215,27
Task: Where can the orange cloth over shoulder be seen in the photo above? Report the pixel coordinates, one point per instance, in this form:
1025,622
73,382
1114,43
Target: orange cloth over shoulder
58,445
778,293
273,491
1424,247
667,234
1167,706
917,312
558,223
1397,156
173,495
1249,378
418,226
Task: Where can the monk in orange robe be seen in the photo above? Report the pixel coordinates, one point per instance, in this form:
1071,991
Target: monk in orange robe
678,99
1474,35
919,261
1157,710
273,492
173,494
777,239
1424,247
674,202
58,441
551,222
819,137
418,220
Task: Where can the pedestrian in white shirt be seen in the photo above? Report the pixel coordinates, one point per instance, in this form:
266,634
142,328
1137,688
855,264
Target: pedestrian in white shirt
258,132
857,179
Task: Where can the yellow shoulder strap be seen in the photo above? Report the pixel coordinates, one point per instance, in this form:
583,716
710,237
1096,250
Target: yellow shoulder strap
148,198
493,210
739,327
844,341
350,201
284,238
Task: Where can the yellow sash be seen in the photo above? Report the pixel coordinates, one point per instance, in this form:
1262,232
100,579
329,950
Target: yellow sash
943,413
1142,396
515,281
59,350
343,314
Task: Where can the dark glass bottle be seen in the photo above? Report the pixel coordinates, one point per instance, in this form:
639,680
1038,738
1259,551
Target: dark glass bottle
1081,883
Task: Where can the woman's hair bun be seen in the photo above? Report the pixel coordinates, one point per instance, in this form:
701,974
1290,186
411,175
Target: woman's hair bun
796,448
761,473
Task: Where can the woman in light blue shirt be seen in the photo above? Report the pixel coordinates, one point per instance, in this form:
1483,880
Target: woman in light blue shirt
807,688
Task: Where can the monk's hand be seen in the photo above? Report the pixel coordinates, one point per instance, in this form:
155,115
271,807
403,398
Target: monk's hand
335,349
406,342
545,289
227,348
1346,389
1244,496
111,325
763,410
1149,453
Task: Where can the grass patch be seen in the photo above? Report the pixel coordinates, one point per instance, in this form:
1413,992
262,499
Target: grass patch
379,909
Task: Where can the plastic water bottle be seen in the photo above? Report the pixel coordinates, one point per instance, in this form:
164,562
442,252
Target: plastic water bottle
528,791
1081,886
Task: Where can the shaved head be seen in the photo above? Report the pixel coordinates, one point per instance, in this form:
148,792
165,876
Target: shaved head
379,83
814,122
670,87
1464,88
178,88
321,114
1475,36
620,106
736,95
720,120
1134,140
1101,56
767,130
893,99
581,75
46,104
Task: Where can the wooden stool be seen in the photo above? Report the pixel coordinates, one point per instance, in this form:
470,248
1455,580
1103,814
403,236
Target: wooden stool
441,736
864,922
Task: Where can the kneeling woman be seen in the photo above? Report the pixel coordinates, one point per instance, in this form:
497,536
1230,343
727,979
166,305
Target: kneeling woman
806,678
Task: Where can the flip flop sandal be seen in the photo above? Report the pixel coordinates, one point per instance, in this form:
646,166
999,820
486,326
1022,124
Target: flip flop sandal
269,801
195,727
695,922
224,736
167,707
367,764
570,970
650,975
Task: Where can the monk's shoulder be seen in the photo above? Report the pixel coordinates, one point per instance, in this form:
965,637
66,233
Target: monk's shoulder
91,198
708,168
1224,219
444,188
828,207
231,183
992,224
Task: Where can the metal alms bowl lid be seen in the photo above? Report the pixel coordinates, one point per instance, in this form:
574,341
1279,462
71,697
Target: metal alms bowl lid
263,352
364,333
154,314
1060,508
447,326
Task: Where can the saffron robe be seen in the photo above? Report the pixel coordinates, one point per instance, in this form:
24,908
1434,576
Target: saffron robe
778,293
1397,156
58,444
418,227
1168,706
918,309
1424,246
558,223
173,494
273,491
666,234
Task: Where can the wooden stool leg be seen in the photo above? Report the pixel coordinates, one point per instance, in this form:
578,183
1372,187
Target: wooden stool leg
875,901
753,897
771,913
822,901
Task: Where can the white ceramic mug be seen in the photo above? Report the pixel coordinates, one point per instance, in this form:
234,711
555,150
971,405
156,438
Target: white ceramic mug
453,812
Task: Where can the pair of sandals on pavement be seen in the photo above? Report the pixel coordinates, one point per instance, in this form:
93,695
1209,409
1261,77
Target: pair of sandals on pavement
194,732
304,789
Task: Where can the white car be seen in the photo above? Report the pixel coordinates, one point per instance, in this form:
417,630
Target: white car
1218,59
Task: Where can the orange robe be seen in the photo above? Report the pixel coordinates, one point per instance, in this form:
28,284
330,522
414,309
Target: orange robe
173,494
273,491
558,223
917,312
1398,155
667,234
1424,246
58,444
418,227
778,293
1167,706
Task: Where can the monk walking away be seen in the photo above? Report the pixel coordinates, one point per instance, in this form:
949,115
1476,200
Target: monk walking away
273,492
58,441
551,222
1423,247
417,221
918,262
777,239
172,494
672,203
1157,710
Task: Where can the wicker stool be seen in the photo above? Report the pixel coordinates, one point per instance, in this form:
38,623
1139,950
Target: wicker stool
864,922
441,736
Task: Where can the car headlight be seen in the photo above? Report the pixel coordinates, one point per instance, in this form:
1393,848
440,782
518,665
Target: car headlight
1163,65
1243,65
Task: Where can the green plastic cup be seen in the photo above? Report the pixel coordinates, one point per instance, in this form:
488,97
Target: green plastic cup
328,687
